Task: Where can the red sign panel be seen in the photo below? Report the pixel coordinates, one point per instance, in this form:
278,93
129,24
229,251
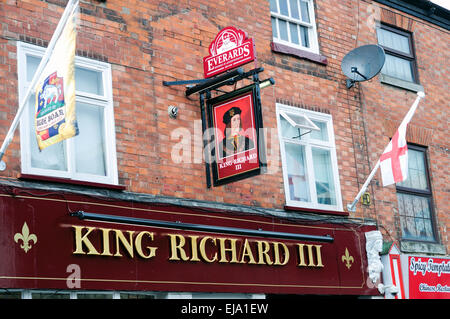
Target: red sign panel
236,141
230,49
44,247
429,277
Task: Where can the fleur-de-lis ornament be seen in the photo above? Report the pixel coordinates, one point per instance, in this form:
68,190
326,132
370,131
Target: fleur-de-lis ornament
26,238
347,259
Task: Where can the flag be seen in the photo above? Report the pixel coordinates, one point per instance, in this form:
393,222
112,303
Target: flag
55,118
394,160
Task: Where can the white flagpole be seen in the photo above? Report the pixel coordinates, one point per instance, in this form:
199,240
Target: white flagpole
71,5
352,207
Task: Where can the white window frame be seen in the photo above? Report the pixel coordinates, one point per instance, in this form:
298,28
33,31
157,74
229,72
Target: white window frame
105,101
308,144
312,28
307,123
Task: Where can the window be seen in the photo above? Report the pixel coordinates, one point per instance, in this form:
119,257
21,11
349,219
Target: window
50,295
10,294
400,61
89,156
415,200
76,294
95,295
293,24
308,155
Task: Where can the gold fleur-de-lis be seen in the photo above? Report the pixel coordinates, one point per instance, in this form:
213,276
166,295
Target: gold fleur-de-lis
26,238
347,259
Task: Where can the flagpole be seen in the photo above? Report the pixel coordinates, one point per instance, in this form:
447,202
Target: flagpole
62,22
352,207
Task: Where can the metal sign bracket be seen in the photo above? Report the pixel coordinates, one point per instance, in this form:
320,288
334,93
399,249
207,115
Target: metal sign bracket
204,88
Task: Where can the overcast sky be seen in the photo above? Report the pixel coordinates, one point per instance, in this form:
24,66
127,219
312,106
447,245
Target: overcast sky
443,3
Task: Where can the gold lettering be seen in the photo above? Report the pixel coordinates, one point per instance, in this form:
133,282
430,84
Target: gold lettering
128,244
232,249
277,261
319,256
207,249
301,254
106,251
175,248
263,253
138,245
247,252
310,255
203,251
83,239
194,256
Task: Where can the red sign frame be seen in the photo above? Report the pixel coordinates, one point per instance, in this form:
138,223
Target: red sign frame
231,48
235,154
429,277
63,252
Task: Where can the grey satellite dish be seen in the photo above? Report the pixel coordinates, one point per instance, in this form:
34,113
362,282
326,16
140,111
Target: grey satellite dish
363,63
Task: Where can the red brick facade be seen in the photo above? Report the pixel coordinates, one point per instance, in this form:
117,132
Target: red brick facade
148,42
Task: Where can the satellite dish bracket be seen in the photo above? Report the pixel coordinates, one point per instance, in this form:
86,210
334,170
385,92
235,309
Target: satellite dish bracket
355,70
350,82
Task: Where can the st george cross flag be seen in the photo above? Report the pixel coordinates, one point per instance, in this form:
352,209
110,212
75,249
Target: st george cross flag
55,118
394,160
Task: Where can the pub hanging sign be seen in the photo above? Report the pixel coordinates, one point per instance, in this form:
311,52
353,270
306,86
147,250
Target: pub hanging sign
236,119
230,49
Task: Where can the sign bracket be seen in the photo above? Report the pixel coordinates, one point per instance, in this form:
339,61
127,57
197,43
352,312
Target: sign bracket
230,50
169,83
205,142
204,88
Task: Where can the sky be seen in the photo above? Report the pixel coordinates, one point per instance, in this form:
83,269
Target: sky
442,3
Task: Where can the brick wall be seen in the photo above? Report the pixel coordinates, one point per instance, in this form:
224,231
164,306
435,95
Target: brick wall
386,105
148,42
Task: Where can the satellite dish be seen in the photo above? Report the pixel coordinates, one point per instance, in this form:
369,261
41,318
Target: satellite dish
363,63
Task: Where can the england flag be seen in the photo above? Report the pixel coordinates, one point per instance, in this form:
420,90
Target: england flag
394,160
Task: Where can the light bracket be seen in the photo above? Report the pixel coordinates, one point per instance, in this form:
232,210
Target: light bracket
198,227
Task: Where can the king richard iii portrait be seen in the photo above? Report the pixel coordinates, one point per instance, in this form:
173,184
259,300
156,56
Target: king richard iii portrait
234,141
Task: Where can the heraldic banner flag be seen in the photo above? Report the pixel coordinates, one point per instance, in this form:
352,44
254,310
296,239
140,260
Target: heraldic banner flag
55,118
